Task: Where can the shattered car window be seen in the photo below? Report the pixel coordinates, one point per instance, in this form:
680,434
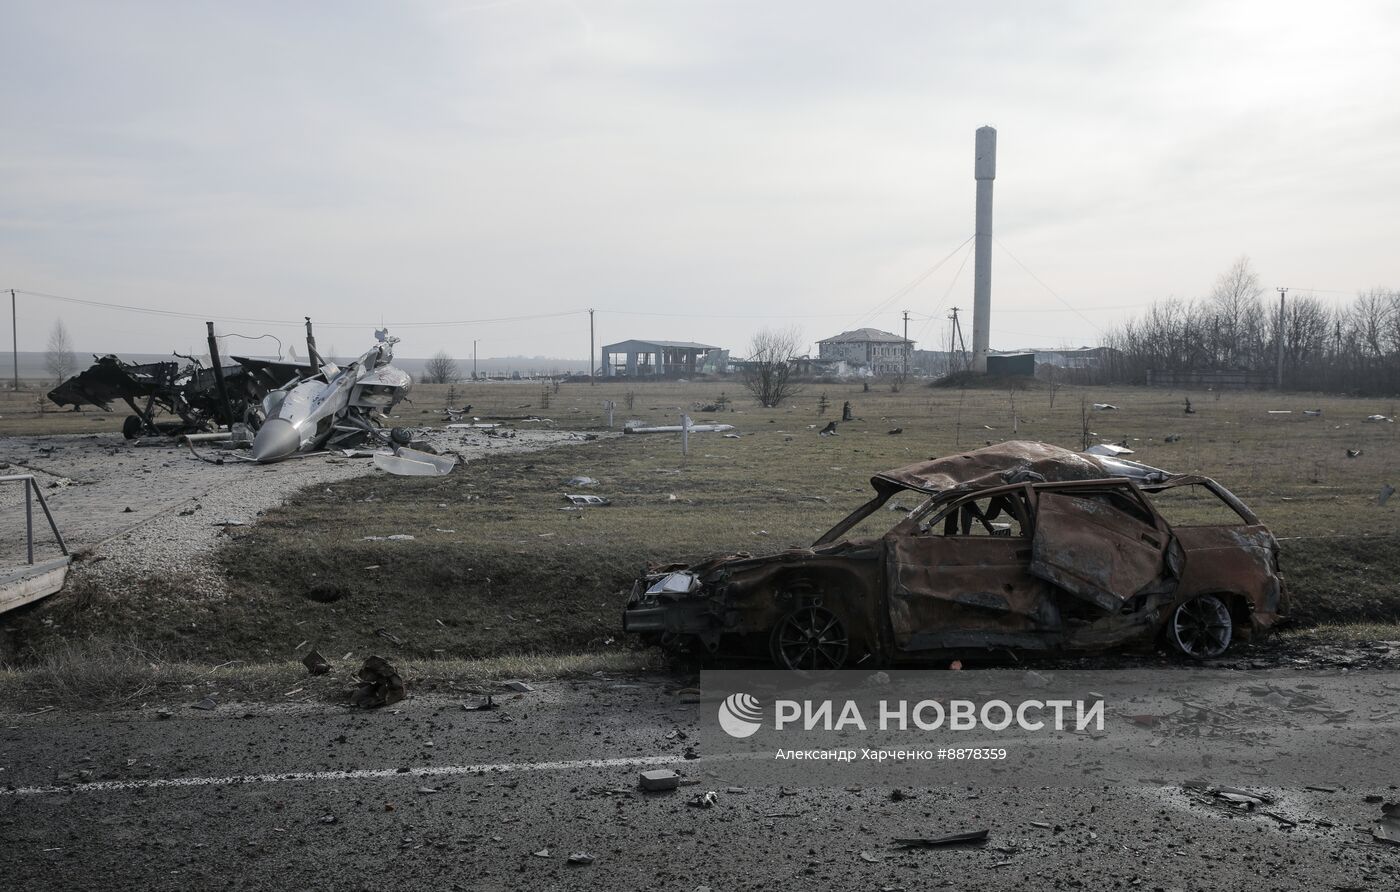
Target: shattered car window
1003,515
1194,505
1121,501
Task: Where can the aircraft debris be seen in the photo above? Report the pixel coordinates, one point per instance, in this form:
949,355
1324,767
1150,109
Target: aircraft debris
676,429
1312,413
1353,453
829,430
582,500
406,462
334,406
893,432
1105,407
704,800
396,537
189,392
1377,419
379,684
580,859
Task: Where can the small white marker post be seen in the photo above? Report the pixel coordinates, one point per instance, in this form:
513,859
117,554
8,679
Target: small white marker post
685,435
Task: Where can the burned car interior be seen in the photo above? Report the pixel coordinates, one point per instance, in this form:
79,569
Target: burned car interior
1016,547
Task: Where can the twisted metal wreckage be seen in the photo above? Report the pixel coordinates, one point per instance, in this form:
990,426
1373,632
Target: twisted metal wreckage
1019,546
281,409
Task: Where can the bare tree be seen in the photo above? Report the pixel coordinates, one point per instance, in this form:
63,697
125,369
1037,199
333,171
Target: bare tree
441,369
768,374
1239,315
60,360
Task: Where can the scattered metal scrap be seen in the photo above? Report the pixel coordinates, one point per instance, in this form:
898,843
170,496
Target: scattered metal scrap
587,500
971,837
379,684
406,462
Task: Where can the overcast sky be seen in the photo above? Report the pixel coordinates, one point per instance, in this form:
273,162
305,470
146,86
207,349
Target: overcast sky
724,165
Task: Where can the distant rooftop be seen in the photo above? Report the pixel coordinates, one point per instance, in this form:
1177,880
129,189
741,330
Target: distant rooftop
864,336
621,346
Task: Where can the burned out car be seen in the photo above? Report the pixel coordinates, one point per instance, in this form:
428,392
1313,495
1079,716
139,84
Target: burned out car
1020,547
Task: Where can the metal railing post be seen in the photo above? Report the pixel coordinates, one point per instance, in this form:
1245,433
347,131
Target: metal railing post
29,516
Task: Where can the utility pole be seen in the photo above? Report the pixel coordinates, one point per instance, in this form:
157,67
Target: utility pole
906,343
1282,294
591,366
473,359
14,331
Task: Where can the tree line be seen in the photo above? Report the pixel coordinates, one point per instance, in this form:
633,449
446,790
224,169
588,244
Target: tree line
1351,348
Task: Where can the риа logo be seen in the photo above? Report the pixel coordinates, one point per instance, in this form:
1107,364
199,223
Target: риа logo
740,715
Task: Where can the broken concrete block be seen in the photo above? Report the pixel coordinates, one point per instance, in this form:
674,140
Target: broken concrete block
659,779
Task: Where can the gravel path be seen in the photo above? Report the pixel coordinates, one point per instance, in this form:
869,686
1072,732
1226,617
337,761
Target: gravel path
157,509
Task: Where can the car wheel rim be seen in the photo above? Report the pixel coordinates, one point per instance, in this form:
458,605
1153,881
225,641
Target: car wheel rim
811,638
1201,627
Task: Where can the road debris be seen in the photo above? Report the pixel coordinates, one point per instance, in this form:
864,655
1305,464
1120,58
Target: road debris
580,859
704,800
519,687
315,663
207,704
379,685
488,703
659,779
971,837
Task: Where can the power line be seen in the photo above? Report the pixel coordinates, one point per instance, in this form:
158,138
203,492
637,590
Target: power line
1092,323
918,280
177,314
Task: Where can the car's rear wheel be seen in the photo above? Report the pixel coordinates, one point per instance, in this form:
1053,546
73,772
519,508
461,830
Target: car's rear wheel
1201,628
811,638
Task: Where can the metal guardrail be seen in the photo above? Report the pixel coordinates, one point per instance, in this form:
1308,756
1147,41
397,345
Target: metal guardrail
31,493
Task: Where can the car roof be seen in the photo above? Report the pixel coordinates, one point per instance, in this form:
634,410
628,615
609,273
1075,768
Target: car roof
1015,461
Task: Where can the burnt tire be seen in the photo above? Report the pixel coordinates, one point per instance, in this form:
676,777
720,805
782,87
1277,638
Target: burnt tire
1201,628
132,427
811,639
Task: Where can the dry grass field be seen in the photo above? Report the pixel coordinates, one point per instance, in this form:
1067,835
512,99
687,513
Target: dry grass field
496,567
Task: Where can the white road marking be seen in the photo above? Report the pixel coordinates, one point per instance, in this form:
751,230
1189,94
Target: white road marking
362,774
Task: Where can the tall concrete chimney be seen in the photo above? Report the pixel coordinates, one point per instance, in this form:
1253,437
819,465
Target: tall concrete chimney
985,172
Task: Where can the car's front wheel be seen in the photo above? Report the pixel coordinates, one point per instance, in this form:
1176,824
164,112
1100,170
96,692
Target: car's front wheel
811,638
1201,628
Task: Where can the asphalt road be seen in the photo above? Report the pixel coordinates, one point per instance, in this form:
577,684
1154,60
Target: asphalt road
424,794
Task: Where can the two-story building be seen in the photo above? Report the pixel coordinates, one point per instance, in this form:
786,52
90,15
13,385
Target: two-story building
880,352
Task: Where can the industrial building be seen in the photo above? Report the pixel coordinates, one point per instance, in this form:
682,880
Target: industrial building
660,359
878,352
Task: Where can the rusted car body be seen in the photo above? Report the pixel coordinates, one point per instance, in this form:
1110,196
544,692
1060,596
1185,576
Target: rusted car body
1019,546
